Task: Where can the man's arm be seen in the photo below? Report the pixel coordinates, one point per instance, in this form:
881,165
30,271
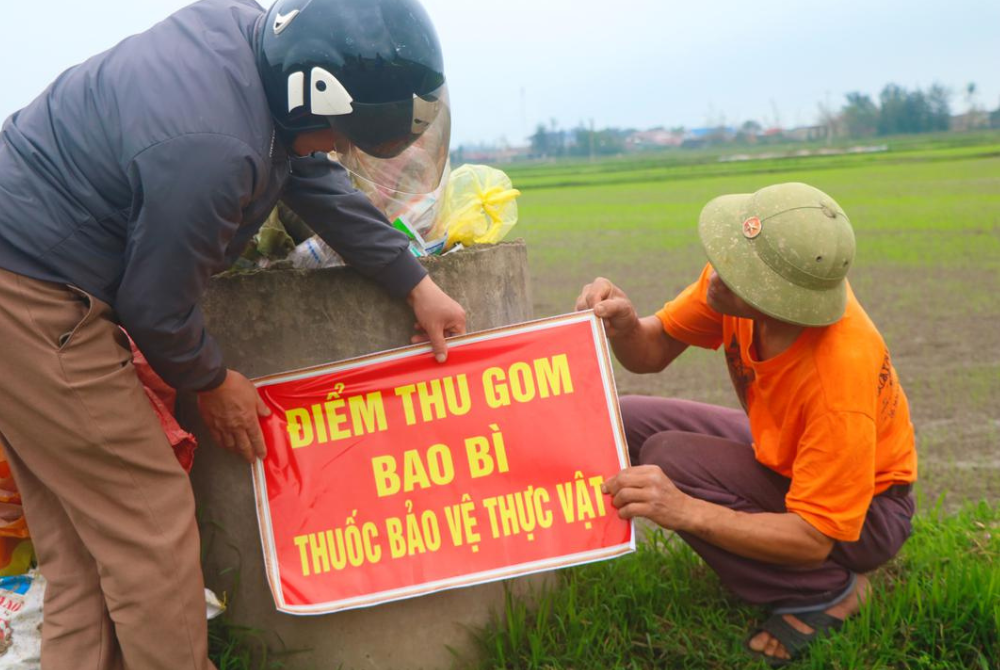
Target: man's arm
320,191
785,539
641,345
190,192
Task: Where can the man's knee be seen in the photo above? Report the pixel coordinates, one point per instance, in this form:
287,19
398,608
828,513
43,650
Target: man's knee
73,596
632,422
878,550
643,417
668,450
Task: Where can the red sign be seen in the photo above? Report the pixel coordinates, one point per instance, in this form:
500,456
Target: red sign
391,476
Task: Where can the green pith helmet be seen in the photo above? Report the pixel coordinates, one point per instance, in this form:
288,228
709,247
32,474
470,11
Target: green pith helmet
785,250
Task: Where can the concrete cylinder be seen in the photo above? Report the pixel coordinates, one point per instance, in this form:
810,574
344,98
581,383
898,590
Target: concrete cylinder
273,321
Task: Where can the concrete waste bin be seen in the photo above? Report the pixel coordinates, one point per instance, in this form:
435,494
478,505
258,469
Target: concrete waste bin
273,321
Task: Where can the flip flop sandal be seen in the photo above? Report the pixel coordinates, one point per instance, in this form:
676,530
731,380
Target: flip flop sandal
792,639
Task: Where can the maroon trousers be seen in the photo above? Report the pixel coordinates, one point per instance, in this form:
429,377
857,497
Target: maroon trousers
706,452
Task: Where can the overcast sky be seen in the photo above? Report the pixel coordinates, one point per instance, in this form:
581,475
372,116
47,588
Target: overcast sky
626,63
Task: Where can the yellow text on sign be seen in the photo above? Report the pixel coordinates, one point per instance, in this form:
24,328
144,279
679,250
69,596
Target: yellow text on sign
336,419
485,454
523,382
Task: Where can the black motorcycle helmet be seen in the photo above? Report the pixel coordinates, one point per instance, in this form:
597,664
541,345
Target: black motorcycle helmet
370,69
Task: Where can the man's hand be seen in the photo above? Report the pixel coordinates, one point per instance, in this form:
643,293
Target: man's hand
784,538
641,345
438,316
230,412
646,491
610,304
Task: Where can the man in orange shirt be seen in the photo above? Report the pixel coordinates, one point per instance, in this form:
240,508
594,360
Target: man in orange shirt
791,499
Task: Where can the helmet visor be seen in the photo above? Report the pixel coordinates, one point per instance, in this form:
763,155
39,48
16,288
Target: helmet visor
387,129
405,169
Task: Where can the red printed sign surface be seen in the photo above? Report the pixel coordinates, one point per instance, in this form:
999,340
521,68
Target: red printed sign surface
391,476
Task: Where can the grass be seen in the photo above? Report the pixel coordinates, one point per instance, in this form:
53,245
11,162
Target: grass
233,647
937,605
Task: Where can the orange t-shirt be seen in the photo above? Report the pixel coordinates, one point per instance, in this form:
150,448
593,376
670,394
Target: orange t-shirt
828,412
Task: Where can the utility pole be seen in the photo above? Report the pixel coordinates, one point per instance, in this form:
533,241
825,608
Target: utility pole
591,140
524,115
831,118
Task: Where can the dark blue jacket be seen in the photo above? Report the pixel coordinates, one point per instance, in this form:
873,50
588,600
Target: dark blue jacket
146,169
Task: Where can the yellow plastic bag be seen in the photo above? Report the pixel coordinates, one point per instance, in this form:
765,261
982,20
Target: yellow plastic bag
479,207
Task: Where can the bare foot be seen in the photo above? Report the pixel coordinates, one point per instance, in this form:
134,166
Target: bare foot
768,645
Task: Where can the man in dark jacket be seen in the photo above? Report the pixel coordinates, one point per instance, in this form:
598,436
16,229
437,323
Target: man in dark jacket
130,181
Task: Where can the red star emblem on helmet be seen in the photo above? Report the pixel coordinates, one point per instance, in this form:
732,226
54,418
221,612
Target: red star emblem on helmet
751,227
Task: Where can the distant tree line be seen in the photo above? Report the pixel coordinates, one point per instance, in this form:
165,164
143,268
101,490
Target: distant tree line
899,111
550,141
895,111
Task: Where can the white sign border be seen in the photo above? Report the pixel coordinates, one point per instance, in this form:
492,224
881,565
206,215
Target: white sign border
269,549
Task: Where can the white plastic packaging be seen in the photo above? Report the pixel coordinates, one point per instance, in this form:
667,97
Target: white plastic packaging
314,253
21,621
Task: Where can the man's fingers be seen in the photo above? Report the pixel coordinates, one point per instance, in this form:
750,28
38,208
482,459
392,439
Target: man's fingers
582,302
438,345
437,313
637,473
262,408
607,309
226,440
259,449
613,308
243,446
629,495
594,293
635,476
625,477
633,510
600,290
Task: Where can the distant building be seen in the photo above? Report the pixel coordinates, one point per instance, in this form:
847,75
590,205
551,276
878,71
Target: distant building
699,137
975,119
657,138
491,155
807,133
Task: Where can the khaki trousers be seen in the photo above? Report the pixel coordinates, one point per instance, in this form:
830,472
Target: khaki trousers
110,510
